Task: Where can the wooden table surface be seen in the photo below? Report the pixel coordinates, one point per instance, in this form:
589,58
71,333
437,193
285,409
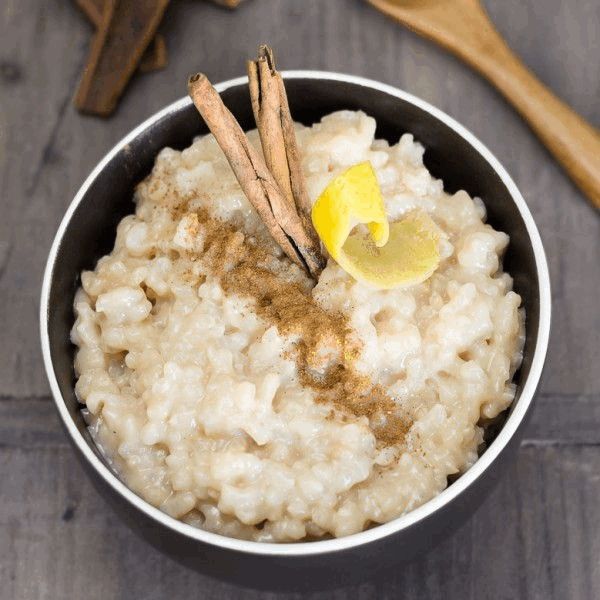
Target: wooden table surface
538,535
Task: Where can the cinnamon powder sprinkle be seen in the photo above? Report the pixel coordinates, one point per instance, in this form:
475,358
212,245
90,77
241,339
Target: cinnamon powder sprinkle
324,348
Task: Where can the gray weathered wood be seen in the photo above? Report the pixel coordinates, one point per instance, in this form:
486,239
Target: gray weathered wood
56,147
531,539
538,536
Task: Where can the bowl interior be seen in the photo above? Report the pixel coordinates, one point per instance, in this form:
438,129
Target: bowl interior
90,233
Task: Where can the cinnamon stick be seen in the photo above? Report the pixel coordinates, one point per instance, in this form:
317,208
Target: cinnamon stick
155,56
93,10
254,177
277,133
126,29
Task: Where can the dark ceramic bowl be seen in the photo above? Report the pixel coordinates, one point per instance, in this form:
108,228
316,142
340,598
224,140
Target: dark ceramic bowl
88,231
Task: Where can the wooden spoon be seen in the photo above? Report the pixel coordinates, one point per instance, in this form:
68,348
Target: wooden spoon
463,27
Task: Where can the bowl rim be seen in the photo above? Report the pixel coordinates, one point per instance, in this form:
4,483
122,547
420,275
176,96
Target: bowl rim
378,532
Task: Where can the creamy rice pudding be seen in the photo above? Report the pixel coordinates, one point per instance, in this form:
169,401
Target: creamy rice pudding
233,393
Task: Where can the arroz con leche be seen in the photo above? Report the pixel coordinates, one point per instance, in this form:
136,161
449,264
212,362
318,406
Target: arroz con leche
228,391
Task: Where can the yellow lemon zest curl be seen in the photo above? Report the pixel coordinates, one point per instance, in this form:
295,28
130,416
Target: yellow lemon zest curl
386,255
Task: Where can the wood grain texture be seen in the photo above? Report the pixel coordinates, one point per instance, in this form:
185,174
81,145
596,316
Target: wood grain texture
463,27
538,536
64,543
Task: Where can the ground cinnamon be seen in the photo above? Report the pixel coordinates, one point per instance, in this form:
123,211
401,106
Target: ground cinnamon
325,347
246,268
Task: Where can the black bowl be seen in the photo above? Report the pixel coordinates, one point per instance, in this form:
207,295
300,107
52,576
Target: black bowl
88,231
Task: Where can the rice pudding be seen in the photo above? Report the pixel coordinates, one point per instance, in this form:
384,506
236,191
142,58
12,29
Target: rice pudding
230,391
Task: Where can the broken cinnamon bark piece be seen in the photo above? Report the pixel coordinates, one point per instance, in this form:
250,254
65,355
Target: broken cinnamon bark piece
126,29
155,56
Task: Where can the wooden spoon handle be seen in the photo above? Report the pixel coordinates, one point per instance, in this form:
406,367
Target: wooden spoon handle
572,140
465,29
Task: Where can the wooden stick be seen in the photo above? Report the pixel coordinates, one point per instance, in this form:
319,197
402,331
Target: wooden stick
127,28
227,3
254,177
155,56
277,133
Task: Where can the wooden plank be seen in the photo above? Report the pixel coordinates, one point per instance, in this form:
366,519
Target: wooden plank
564,419
57,148
552,488
30,423
537,536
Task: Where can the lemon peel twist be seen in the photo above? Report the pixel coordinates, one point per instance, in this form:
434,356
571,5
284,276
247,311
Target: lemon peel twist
387,255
